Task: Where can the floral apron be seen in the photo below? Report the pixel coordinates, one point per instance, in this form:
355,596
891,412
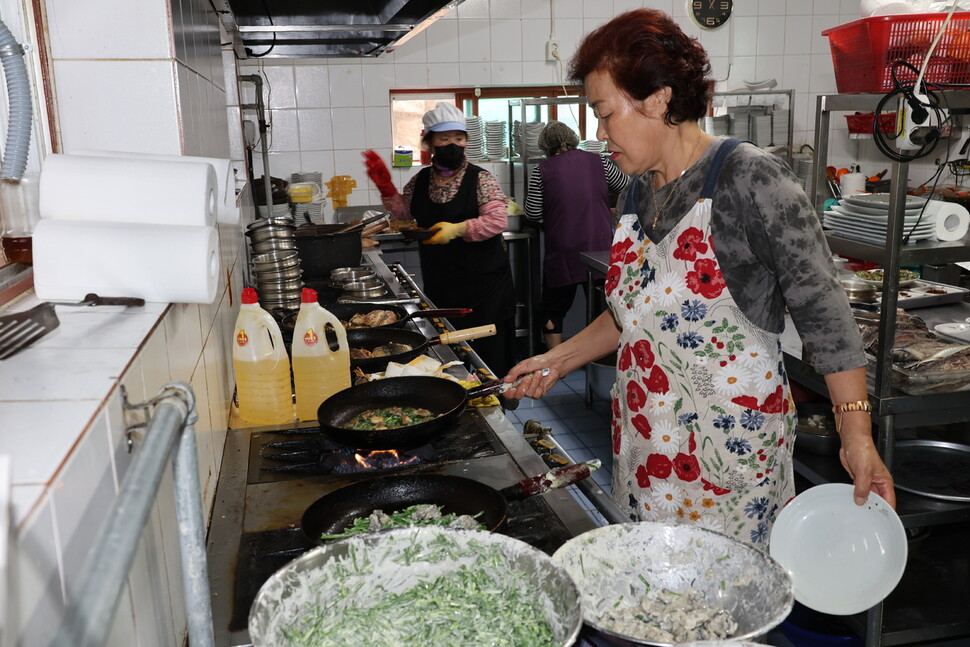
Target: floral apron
703,419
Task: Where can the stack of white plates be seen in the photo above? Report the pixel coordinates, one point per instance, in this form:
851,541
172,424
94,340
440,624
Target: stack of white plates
526,138
740,126
495,137
312,209
718,126
475,149
307,176
762,130
865,217
803,171
592,145
779,127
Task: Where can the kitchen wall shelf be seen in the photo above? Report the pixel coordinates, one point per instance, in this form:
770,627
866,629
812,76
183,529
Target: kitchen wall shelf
931,600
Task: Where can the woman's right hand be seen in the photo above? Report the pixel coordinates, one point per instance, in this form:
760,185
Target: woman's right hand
533,385
379,174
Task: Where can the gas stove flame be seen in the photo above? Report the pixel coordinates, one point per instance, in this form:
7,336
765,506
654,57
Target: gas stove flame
384,459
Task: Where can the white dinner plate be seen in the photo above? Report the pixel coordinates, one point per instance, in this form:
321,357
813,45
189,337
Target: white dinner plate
877,211
878,227
956,331
881,201
909,217
843,558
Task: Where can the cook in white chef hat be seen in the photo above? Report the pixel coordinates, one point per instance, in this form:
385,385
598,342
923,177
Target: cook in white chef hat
445,116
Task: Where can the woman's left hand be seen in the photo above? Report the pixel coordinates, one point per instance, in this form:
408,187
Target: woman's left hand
447,232
869,474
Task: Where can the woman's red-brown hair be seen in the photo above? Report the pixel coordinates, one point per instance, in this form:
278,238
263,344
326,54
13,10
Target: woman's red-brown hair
643,51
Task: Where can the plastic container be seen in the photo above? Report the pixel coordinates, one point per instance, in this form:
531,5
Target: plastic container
19,211
861,124
863,51
319,370
263,387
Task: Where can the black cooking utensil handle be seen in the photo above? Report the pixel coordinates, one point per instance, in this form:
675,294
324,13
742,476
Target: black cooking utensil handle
95,300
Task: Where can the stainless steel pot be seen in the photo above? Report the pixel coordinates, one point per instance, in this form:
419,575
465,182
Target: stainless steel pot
364,289
349,274
276,260
271,232
357,572
857,290
285,274
619,564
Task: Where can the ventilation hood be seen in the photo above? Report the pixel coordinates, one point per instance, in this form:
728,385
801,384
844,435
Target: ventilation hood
327,28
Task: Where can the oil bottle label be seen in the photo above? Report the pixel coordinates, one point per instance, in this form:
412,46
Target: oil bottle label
310,338
242,338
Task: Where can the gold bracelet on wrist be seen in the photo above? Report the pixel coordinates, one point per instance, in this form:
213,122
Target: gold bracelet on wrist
855,405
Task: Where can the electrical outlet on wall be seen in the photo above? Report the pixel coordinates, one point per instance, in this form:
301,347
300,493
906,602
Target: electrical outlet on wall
552,50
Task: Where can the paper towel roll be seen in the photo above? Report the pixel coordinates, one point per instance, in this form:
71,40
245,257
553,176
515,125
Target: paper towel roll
160,263
227,210
852,183
952,220
104,189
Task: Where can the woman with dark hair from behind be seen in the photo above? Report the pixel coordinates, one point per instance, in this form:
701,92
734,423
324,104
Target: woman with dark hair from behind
568,195
717,239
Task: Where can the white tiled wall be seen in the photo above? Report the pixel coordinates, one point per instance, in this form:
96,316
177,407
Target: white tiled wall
146,77
325,111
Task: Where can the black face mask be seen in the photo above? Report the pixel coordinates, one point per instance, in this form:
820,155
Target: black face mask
450,156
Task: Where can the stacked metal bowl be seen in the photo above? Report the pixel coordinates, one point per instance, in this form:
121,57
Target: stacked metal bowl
276,262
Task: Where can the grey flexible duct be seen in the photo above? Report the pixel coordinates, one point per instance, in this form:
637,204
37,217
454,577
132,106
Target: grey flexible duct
20,108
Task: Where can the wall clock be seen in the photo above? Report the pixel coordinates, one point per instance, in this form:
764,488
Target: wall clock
710,14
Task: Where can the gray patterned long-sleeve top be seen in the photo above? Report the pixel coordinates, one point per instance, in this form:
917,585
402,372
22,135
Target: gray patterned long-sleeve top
770,248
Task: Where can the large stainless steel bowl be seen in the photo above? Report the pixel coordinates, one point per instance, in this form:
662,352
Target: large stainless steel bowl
360,572
618,564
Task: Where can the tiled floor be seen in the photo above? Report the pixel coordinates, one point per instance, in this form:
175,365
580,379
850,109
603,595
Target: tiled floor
584,433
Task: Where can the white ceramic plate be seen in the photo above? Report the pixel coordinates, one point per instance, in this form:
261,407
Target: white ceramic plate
876,212
842,558
881,201
956,331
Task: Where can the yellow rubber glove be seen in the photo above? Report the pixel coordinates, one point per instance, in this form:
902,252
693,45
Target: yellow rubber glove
447,232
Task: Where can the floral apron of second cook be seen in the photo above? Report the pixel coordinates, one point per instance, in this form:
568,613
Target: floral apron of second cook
702,414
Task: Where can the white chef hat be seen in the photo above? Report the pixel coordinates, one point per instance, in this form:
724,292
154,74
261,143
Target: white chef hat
445,116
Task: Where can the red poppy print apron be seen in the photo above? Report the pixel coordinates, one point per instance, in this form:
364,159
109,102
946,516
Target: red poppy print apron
703,419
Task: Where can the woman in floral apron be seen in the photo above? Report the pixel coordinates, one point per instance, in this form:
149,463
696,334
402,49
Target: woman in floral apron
717,240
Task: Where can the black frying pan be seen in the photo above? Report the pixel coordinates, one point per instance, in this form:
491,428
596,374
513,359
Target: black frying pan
436,394
344,311
370,338
334,513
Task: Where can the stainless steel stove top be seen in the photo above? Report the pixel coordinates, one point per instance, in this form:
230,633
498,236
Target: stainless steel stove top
261,497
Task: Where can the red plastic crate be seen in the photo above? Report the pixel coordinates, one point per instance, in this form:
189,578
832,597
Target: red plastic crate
864,50
862,123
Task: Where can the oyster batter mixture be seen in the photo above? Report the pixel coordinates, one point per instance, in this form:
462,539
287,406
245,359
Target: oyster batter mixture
671,617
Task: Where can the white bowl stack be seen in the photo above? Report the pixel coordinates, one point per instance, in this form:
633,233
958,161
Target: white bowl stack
475,149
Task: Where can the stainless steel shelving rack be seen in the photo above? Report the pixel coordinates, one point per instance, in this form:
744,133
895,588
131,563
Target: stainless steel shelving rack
524,158
932,601
789,97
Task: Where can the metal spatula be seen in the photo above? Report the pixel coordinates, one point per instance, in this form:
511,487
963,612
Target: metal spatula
18,331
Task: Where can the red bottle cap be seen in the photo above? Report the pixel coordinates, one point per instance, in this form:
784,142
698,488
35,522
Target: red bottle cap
309,295
249,296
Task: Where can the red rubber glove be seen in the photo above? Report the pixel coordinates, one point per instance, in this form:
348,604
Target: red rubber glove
378,173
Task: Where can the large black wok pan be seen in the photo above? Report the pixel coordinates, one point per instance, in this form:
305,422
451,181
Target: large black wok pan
370,338
344,311
334,513
435,394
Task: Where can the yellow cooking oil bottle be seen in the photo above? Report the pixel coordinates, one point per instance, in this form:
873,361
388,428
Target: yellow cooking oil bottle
320,367
262,367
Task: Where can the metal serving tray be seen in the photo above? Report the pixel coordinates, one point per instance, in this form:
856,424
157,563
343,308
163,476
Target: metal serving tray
933,468
919,296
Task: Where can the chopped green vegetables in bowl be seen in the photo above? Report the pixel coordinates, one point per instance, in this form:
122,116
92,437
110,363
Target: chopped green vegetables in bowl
418,586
